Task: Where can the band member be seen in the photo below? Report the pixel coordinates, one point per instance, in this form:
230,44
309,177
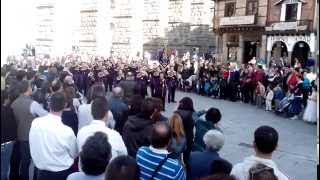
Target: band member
84,81
110,76
155,82
141,84
161,89
172,85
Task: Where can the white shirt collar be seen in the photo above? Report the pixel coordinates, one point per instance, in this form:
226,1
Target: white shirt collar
55,117
98,122
158,151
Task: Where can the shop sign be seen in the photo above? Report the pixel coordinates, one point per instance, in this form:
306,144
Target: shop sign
237,20
286,39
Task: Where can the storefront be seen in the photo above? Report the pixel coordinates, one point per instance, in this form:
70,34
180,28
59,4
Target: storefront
291,47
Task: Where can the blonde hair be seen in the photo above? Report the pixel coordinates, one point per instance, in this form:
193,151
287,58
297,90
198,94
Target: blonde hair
176,125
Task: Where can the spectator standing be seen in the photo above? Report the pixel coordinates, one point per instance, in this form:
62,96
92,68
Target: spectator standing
69,116
48,133
200,162
185,110
85,115
99,110
129,86
24,110
154,161
119,109
213,117
8,133
123,167
310,114
265,143
178,140
260,93
269,98
138,128
94,158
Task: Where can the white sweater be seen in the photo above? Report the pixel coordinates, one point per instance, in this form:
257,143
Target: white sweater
241,170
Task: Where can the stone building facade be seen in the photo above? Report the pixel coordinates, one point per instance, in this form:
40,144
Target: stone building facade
56,33
239,26
133,27
291,30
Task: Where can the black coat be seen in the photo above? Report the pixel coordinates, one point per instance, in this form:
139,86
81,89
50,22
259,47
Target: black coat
128,87
188,124
120,111
136,133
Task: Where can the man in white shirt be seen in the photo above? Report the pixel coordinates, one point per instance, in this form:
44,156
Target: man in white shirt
53,145
84,112
265,143
99,109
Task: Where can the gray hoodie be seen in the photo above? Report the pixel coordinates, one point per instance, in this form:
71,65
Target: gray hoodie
241,170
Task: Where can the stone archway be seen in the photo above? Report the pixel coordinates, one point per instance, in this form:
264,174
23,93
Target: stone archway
300,51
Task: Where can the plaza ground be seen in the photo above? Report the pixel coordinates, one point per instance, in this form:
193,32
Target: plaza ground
296,154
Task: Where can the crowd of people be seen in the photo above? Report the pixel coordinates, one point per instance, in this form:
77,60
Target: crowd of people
59,117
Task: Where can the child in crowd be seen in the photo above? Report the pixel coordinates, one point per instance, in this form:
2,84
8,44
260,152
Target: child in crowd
279,94
269,98
260,91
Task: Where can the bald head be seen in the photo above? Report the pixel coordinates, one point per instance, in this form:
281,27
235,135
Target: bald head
161,135
117,92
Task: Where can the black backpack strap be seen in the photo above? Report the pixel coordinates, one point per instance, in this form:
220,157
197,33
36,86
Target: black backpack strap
159,167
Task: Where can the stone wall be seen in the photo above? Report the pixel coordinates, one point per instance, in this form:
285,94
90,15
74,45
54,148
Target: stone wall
45,28
128,27
127,32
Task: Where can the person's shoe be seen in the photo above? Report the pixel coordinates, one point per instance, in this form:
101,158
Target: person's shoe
294,118
174,101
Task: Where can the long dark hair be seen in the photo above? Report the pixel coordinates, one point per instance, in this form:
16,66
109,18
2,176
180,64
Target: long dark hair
186,103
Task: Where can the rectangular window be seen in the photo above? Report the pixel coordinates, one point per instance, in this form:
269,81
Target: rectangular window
291,12
230,9
252,7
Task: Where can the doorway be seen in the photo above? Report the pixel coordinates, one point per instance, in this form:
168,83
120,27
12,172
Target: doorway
250,51
301,52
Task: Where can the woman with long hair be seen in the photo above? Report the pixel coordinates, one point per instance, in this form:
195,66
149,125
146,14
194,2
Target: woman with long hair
178,140
186,111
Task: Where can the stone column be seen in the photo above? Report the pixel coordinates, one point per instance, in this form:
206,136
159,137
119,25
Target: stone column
289,57
268,58
263,48
240,49
224,47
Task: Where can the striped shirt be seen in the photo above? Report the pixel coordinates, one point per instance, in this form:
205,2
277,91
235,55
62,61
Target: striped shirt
148,158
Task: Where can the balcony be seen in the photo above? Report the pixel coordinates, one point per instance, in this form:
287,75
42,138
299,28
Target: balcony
301,25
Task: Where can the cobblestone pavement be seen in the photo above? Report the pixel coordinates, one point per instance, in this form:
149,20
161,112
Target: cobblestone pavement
296,154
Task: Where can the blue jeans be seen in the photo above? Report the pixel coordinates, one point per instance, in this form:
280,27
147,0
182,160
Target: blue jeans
6,150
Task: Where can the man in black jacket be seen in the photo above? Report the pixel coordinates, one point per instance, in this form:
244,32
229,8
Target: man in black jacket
128,86
119,108
137,130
